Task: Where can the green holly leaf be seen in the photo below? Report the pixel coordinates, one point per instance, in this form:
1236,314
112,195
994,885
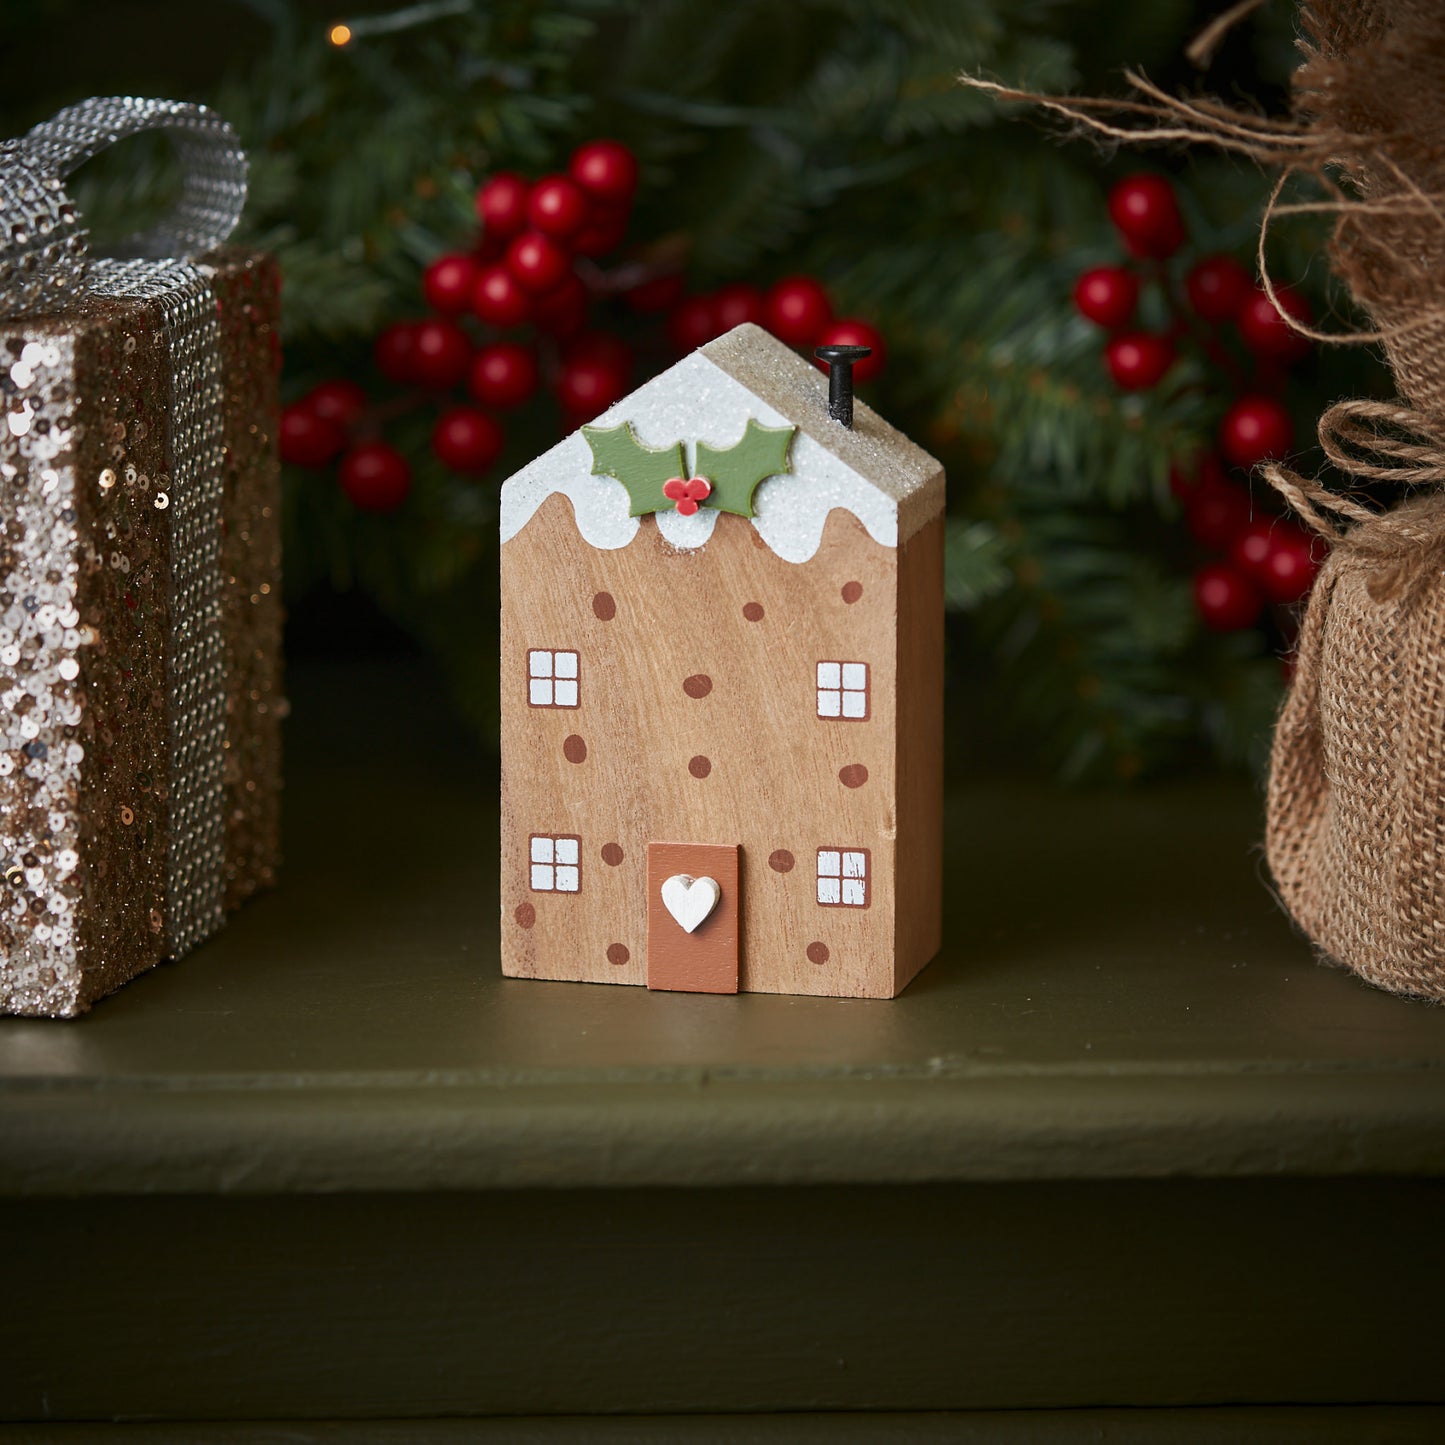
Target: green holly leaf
643,470
735,471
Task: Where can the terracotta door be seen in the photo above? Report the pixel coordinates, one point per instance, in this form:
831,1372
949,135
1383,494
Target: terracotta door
692,917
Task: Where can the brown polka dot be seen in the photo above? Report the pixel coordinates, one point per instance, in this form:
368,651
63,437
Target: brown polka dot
852,591
853,776
817,953
617,953
753,611
604,607
699,766
698,685
612,854
525,915
780,861
574,748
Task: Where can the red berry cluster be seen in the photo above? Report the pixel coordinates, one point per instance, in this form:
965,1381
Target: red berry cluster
523,271
322,425
536,265
796,309
1234,327
1259,558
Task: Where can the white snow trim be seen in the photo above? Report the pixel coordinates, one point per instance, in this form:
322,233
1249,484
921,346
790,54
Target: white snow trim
792,509
599,503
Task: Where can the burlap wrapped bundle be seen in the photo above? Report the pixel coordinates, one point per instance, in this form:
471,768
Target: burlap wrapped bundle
1355,832
1355,829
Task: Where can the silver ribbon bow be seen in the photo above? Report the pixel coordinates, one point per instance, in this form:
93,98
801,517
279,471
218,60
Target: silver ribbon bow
45,266
44,248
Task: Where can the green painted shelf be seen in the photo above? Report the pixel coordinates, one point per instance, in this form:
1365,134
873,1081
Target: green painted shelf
1123,1143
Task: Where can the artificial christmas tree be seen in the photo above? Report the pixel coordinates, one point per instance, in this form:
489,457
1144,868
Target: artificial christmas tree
742,148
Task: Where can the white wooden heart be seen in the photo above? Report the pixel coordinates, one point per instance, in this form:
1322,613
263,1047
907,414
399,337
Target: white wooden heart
690,900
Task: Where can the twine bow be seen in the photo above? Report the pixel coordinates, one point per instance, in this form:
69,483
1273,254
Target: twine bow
1381,441
1354,438
44,248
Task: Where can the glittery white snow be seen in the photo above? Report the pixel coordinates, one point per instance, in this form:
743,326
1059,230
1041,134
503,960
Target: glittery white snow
892,486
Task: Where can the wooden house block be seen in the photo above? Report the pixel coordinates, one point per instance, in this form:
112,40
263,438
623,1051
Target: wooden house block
722,629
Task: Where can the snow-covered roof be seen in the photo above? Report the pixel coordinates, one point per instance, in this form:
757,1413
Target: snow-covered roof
873,471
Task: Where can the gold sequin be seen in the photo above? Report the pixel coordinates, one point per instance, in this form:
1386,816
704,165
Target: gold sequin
88,462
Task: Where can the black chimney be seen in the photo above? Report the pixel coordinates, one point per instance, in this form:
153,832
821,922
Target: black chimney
840,361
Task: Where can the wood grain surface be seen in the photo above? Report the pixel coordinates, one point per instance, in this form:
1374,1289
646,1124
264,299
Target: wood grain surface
918,923
698,721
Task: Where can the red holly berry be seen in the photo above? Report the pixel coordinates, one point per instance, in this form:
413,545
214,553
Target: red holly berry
1225,598
441,353
467,440
851,332
1217,287
503,374
1266,332
448,283
657,294
557,206
1217,511
1278,556
375,476
1253,429
306,439
563,310
1289,570
693,322
606,168
797,310
337,400
498,299
738,304
605,231
589,384
502,204
1138,360
687,493
1146,213
395,352
1107,296
1251,545
537,262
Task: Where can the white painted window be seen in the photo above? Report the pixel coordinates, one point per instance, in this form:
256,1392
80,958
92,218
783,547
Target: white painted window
843,691
556,863
552,678
843,877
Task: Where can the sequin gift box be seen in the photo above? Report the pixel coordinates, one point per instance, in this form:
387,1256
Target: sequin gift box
140,609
